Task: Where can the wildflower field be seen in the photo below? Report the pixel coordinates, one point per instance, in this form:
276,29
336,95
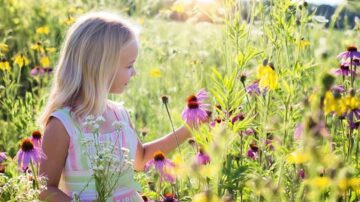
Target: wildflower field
279,89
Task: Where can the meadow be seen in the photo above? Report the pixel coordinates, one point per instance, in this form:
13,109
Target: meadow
284,105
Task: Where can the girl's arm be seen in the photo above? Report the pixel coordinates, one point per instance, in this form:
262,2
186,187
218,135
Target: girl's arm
55,145
145,152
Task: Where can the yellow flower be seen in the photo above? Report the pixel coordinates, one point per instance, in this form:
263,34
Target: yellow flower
303,43
297,157
179,8
267,77
351,102
332,104
4,48
45,62
4,65
155,73
43,30
68,21
355,183
37,47
51,49
320,182
205,197
20,60
181,168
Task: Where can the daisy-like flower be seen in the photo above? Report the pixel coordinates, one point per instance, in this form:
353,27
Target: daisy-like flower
350,53
352,104
253,151
202,158
161,164
196,110
344,70
28,153
267,76
37,71
36,138
169,197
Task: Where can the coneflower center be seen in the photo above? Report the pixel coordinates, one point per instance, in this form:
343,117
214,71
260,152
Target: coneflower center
36,135
159,156
254,147
27,145
344,67
352,49
193,104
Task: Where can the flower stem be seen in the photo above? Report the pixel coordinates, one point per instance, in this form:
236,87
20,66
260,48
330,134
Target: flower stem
172,126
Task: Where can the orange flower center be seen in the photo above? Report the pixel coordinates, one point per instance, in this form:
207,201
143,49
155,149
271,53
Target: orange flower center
36,134
352,49
159,156
27,145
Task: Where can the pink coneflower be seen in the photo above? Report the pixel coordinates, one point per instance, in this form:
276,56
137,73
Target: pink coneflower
160,164
2,157
253,151
28,153
298,131
36,138
238,117
202,158
337,88
196,111
169,197
38,70
350,53
344,70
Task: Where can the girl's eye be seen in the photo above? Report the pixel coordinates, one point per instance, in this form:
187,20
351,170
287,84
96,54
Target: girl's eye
129,67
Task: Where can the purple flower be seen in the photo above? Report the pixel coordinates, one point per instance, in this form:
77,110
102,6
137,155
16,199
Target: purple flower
350,53
249,131
28,153
355,62
36,138
344,70
196,111
253,151
301,174
353,117
38,70
169,197
253,89
202,158
161,164
298,131
2,157
338,89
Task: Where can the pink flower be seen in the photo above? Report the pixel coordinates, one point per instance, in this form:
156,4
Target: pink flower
28,153
350,53
202,158
196,111
169,197
253,151
161,164
2,157
36,138
301,174
298,131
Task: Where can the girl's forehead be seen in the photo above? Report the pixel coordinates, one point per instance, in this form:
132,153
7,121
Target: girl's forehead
130,51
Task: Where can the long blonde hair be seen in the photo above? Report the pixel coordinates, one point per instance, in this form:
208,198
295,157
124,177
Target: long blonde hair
87,65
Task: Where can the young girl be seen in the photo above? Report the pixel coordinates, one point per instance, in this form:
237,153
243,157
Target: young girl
97,58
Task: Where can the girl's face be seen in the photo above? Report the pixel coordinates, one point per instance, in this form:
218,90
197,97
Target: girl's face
126,68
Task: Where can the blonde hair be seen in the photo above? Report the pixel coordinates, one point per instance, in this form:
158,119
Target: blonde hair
88,62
